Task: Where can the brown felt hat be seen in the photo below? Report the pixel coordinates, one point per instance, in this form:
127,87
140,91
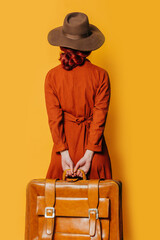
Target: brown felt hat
77,33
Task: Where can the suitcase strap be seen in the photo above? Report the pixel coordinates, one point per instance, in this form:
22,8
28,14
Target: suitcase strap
93,200
50,199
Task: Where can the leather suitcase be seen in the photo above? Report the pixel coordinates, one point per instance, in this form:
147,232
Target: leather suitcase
73,209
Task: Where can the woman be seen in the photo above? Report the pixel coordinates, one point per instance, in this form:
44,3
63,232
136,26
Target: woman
77,95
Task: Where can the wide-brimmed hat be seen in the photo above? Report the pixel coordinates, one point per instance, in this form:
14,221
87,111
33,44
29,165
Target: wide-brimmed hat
77,33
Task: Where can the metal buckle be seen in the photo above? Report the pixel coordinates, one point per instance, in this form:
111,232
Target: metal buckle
94,209
50,210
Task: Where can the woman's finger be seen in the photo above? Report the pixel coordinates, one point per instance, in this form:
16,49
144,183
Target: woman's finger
71,167
70,173
84,170
76,167
78,172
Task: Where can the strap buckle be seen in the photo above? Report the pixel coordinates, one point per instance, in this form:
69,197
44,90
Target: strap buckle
93,209
49,210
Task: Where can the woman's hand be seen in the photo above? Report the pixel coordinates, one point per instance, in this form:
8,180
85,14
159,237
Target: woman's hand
67,163
84,163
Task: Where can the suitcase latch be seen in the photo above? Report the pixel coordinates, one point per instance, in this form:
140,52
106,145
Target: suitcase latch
93,209
49,210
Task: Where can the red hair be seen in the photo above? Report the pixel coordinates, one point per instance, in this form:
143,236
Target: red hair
70,58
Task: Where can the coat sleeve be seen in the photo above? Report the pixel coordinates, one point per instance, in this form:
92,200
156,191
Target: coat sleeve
100,110
55,114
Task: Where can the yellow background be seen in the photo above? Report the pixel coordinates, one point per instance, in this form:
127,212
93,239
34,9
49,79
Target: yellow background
131,55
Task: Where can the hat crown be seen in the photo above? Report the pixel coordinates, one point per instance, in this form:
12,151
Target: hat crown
76,33
76,23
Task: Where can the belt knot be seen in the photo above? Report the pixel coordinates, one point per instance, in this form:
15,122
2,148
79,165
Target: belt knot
78,120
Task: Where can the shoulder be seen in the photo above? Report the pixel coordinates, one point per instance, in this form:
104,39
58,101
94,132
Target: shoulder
54,70
51,74
98,69
101,73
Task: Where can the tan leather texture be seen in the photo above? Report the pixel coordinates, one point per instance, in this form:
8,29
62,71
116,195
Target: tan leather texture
78,210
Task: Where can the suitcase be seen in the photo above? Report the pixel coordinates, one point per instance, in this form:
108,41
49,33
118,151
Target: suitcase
73,209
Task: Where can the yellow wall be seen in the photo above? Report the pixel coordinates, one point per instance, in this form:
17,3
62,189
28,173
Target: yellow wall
131,57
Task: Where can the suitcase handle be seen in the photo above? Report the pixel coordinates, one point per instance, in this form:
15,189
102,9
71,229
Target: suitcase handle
73,179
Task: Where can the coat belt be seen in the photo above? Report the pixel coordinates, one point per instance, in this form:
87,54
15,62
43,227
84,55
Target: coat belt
78,120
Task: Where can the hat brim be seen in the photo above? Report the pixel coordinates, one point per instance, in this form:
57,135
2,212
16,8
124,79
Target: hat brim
94,41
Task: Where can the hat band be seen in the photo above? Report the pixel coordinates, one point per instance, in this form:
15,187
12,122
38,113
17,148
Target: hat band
76,36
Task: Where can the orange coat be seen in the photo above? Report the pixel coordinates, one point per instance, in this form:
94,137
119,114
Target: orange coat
77,103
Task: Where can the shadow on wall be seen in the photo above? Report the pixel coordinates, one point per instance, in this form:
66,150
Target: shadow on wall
118,173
